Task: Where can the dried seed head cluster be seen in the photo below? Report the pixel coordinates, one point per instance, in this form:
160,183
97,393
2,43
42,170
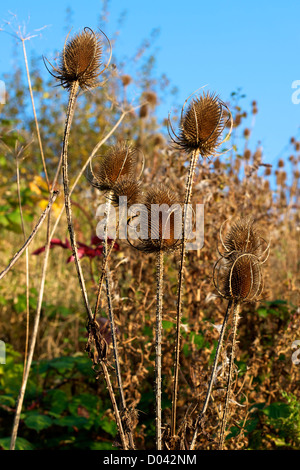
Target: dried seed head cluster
161,214
80,61
202,125
238,273
119,162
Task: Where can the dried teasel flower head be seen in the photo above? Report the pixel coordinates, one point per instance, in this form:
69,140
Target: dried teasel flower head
121,160
202,125
160,214
128,187
238,273
126,80
80,60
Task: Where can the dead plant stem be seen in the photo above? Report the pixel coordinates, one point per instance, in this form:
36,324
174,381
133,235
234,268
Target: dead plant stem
188,195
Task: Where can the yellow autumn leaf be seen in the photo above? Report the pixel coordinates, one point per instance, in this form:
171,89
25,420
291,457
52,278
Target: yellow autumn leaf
56,207
34,188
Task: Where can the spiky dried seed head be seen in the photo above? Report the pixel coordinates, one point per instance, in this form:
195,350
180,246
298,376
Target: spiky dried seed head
238,273
243,237
121,160
80,61
128,187
161,213
202,125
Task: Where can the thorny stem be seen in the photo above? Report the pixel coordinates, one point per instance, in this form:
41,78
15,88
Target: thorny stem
112,317
212,377
52,199
68,207
158,378
236,307
114,404
188,195
70,113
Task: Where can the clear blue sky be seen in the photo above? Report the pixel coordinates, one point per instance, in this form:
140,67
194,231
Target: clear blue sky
253,45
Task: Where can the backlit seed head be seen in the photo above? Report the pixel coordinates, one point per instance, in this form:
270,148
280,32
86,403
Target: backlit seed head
238,273
121,160
202,125
161,213
80,61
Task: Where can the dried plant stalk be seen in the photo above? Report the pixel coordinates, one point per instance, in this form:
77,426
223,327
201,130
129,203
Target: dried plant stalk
158,343
188,195
236,308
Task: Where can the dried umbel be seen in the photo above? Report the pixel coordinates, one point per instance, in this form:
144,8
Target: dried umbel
238,273
202,125
161,214
80,61
120,161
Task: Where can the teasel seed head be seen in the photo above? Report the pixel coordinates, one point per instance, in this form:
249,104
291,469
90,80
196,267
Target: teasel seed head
126,80
80,60
128,187
238,272
202,125
161,213
120,161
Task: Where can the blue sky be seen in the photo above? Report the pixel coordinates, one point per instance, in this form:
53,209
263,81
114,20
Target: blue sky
253,45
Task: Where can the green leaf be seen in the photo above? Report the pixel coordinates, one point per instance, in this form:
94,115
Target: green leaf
108,426
72,421
21,444
102,446
167,325
38,421
57,400
277,410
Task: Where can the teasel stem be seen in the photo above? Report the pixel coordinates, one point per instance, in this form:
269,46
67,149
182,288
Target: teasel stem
158,378
68,207
123,438
212,377
112,320
188,195
236,308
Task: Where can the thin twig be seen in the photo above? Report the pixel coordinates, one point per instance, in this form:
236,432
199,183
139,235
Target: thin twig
26,264
34,113
31,350
32,235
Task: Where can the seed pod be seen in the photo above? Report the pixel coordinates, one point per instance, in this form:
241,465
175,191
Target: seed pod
161,214
121,160
80,61
238,273
202,125
126,187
